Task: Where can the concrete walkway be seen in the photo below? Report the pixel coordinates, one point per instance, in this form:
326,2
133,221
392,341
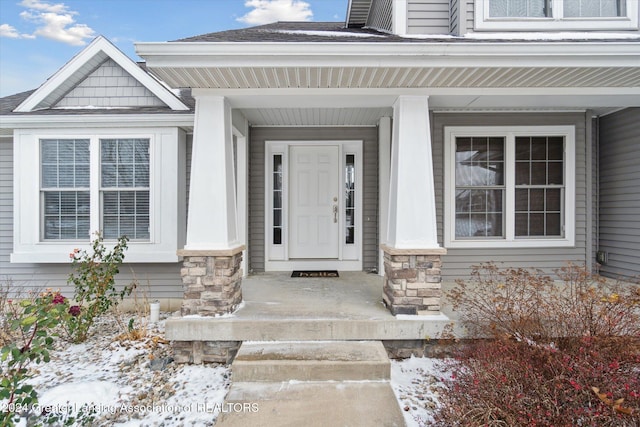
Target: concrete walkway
315,383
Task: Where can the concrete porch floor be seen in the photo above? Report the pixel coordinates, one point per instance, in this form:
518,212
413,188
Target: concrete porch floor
278,307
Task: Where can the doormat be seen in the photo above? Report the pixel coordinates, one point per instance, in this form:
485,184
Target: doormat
315,273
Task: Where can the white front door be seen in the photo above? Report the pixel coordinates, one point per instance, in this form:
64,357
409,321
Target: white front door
314,191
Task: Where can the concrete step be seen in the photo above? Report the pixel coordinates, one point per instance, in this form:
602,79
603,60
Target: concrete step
311,404
238,328
311,361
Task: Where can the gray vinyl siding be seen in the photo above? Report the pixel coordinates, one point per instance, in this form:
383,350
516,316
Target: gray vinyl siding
381,16
163,279
110,86
6,203
259,135
428,17
593,123
458,262
620,193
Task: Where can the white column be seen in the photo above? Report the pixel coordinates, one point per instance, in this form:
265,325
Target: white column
384,162
212,223
412,207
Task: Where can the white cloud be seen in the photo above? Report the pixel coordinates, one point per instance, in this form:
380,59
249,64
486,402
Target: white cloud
60,27
53,21
44,7
7,30
11,32
267,11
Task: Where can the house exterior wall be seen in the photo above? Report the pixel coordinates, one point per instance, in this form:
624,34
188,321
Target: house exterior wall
258,136
164,279
454,16
461,17
619,227
110,86
428,17
381,16
458,262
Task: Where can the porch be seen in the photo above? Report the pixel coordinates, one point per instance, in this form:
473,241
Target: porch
277,307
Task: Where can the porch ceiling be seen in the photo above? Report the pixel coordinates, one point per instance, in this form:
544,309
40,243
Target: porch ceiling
369,77
315,116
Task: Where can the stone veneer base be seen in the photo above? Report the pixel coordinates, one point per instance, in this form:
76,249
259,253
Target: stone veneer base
412,280
199,352
212,284
212,281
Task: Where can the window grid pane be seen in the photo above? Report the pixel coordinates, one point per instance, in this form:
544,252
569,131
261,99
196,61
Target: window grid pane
519,8
64,171
350,199
539,187
480,187
594,8
277,199
125,192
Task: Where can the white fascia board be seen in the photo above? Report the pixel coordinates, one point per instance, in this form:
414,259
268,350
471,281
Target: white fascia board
95,120
477,54
565,97
96,46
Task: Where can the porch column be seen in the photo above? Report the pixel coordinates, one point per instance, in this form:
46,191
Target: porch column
411,250
211,273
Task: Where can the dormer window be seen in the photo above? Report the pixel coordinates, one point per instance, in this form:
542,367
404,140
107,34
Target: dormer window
556,15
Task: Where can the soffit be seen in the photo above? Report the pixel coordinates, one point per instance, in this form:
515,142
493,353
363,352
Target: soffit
368,77
315,116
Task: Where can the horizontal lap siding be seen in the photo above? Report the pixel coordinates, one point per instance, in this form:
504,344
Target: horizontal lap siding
428,17
458,262
256,184
619,193
164,279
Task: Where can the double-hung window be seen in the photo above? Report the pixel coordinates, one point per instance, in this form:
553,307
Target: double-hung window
509,186
124,188
119,182
541,15
64,189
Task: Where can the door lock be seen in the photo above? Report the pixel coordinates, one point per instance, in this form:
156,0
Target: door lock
335,213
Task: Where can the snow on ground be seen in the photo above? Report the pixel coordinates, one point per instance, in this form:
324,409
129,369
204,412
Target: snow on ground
115,378
416,383
134,384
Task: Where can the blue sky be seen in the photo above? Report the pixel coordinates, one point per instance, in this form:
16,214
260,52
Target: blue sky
37,37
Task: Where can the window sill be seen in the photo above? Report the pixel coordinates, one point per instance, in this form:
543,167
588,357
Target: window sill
61,256
548,24
510,244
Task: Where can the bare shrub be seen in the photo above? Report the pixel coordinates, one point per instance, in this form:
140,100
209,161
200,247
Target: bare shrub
526,304
557,353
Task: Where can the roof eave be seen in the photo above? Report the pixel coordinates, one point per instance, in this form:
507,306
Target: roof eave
100,44
16,121
198,54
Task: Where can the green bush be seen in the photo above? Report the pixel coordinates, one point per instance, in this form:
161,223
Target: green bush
33,322
95,291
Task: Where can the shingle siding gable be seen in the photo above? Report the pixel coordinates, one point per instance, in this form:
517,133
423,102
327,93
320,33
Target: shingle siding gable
109,86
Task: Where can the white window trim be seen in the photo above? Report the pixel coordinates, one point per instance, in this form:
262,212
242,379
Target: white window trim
165,145
276,256
483,22
509,132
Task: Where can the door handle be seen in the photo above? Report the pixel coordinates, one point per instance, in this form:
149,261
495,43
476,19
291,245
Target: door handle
335,213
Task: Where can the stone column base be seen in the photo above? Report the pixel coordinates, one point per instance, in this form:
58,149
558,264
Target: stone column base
412,280
212,281
199,352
